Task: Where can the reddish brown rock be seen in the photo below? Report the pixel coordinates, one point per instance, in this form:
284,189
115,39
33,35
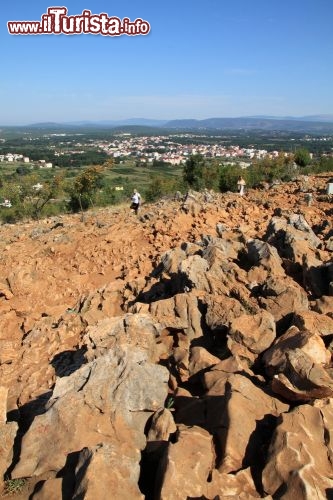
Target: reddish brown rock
109,399
314,322
245,405
255,332
108,470
298,462
162,425
275,358
8,432
187,465
282,298
221,310
200,359
302,379
324,305
52,489
180,312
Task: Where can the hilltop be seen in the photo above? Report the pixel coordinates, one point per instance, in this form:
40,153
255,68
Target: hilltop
171,355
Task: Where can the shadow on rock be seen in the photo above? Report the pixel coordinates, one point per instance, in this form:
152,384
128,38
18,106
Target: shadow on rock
67,362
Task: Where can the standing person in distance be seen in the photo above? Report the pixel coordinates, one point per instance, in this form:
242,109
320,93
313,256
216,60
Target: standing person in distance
241,185
136,201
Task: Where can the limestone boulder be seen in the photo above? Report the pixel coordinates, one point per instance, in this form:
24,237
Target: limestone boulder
107,400
255,332
314,322
137,330
108,470
302,379
324,305
299,464
180,312
193,271
8,431
171,260
186,465
221,310
247,412
52,489
200,359
292,236
260,253
282,298
312,344
232,486
162,425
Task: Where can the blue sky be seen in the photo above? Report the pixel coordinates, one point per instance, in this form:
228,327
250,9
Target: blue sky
200,59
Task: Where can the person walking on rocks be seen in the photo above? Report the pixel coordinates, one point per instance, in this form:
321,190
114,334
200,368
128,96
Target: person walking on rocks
241,185
136,201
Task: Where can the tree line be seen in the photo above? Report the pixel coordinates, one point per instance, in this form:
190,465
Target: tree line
30,199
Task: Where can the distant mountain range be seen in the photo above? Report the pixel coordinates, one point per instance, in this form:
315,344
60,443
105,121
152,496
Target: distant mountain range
311,124
290,124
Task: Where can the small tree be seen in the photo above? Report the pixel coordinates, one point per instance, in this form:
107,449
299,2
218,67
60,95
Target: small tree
84,188
199,173
228,177
302,157
44,195
193,172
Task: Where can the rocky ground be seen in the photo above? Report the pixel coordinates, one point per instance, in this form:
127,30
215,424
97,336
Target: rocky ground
181,354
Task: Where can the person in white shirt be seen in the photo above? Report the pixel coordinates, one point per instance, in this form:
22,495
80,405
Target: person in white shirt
136,201
241,185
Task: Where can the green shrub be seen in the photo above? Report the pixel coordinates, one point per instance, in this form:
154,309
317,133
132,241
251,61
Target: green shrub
14,486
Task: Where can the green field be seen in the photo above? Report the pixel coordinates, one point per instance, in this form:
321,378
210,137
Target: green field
14,177
140,176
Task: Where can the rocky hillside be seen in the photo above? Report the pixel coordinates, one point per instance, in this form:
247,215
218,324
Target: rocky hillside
181,354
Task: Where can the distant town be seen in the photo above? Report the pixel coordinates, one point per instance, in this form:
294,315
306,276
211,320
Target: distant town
173,149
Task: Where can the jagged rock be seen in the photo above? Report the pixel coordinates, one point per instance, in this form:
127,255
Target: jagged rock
186,465
282,298
200,359
246,412
7,435
108,399
299,461
262,254
256,333
81,274
314,323
171,260
221,310
49,349
316,275
275,358
194,271
292,236
324,305
162,425
329,244
101,304
220,229
137,330
52,489
232,486
216,378
108,470
179,313
218,248
181,361
302,379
